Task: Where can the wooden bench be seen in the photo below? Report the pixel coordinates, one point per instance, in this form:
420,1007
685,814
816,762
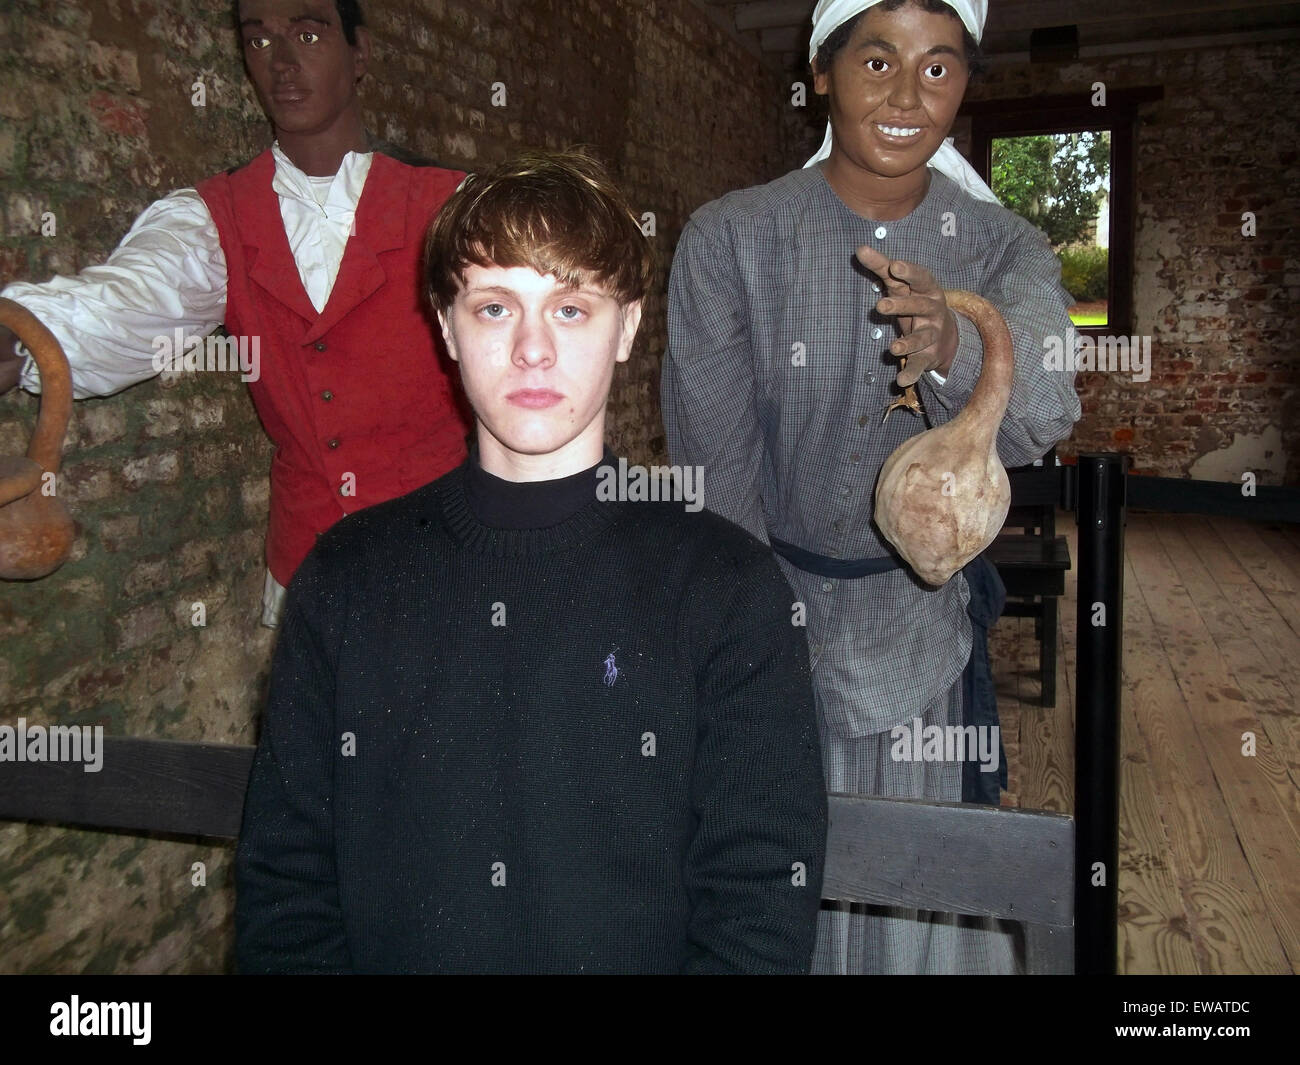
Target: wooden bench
1032,563
954,858
1033,569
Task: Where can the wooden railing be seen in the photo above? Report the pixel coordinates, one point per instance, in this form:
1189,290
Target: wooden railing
960,859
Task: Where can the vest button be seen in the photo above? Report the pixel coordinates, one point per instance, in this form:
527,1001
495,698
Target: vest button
320,345
327,395
334,443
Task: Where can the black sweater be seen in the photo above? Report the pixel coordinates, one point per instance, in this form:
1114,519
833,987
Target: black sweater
588,747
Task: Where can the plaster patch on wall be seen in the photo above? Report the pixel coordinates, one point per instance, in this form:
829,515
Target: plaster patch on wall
1260,453
1165,236
1151,300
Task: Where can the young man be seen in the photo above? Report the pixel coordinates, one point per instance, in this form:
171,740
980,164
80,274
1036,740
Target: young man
513,727
792,449
313,248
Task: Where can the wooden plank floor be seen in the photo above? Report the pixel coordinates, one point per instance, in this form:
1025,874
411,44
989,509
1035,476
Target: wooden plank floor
1210,769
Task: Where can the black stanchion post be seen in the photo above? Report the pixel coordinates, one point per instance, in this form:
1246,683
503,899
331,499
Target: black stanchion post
1100,631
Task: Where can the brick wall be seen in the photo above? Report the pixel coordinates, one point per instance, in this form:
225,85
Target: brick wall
1220,307
168,480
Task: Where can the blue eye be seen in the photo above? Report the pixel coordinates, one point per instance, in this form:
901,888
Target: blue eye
492,310
577,312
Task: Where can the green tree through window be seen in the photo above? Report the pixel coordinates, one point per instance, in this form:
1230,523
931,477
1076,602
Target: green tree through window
1061,184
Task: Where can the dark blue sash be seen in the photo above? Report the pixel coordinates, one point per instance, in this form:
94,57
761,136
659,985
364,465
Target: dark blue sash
835,568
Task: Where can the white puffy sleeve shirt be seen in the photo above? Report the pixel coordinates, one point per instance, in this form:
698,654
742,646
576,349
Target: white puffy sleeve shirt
169,272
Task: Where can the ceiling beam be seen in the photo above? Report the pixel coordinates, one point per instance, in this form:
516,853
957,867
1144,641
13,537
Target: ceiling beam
1006,14
1163,44
1010,15
1150,26
782,26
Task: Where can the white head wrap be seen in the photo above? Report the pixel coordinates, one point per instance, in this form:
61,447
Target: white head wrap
829,15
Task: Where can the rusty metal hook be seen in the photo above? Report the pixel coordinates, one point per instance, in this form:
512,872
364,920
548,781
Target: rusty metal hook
36,530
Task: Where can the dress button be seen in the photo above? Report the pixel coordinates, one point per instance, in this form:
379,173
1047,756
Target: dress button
862,420
855,458
877,333
875,287
870,378
320,345
334,443
827,586
327,395
880,232
846,492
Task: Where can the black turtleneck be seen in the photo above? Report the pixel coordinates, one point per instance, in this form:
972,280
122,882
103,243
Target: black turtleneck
588,746
502,504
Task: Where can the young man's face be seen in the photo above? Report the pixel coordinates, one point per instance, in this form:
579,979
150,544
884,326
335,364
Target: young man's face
300,63
537,359
903,71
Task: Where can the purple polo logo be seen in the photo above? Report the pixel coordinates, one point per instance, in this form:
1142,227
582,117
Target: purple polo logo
611,670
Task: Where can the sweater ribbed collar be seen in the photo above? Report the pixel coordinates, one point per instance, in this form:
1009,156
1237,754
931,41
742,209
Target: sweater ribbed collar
475,504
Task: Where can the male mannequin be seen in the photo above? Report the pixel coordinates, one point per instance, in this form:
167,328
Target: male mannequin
314,248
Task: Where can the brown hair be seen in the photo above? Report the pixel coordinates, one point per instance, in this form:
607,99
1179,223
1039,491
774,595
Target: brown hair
555,212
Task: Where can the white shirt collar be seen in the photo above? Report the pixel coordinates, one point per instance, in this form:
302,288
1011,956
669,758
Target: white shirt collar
344,193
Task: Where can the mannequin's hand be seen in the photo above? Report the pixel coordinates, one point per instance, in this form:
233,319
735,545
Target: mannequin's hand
917,300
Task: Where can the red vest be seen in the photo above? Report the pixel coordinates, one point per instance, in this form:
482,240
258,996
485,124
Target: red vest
357,399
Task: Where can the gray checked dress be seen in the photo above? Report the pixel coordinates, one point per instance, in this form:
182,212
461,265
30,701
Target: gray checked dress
775,381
